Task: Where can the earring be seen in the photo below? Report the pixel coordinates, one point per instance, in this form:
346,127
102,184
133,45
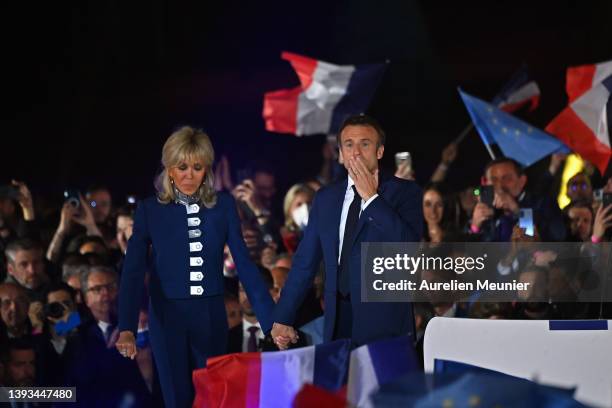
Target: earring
171,181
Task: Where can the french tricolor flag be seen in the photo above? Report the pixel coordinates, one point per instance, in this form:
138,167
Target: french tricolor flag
270,379
376,364
520,90
583,125
584,77
327,94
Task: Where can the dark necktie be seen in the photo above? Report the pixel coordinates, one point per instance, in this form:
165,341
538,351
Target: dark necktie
252,344
344,278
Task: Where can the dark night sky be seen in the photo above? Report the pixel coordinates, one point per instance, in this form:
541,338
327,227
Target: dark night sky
92,88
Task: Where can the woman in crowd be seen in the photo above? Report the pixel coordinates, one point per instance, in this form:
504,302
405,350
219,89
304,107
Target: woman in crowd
296,206
184,229
436,214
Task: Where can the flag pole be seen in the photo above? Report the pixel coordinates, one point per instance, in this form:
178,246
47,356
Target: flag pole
465,132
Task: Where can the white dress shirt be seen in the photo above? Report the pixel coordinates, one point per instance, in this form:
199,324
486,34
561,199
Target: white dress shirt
348,199
246,334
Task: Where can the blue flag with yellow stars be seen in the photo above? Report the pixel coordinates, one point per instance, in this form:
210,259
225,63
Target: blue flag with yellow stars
516,139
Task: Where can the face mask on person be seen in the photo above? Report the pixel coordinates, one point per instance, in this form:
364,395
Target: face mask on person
64,327
300,216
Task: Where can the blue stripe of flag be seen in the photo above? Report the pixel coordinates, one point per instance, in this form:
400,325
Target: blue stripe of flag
359,93
393,357
331,364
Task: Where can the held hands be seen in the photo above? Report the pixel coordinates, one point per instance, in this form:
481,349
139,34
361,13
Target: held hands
283,335
366,182
126,344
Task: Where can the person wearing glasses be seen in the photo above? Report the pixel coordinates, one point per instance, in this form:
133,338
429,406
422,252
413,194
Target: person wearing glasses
101,376
183,231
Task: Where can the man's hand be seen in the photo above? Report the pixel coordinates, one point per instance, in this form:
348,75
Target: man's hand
505,202
603,221
25,200
36,315
126,344
283,335
366,182
482,212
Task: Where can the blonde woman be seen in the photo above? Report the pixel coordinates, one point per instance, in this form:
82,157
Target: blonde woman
296,207
184,230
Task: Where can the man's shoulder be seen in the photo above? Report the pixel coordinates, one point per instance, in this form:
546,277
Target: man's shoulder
397,187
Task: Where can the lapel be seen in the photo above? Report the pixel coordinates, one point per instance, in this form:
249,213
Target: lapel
337,196
382,183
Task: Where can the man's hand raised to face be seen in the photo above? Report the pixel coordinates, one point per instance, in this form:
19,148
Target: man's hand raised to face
366,182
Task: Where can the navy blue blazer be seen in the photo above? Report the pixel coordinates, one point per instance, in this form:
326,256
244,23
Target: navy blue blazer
187,257
396,215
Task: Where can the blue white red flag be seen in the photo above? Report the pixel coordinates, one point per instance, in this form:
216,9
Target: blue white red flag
327,94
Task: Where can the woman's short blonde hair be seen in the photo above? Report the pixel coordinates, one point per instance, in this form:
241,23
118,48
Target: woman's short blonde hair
187,144
290,196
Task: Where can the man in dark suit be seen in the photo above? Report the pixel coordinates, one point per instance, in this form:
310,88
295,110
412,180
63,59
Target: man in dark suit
495,224
248,336
365,207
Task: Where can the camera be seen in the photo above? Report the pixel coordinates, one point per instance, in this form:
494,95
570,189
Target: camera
73,197
487,194
55,310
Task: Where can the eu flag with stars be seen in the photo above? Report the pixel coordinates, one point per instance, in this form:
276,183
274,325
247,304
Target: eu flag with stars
516,139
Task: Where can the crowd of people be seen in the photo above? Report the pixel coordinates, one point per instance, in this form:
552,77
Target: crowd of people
59,296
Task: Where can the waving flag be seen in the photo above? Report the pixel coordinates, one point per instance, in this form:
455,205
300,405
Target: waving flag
583,125
376,364
519,91
517,139
270,379
327,94
584,77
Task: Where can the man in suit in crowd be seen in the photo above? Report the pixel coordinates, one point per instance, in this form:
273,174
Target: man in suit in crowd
368,206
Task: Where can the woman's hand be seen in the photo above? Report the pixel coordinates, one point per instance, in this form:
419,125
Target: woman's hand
126,344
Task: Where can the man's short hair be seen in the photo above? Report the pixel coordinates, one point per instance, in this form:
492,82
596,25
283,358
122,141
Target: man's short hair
21,343
59,286
21,244
97,268
506,160
362,120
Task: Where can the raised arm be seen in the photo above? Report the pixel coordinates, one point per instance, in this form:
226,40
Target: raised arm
257,292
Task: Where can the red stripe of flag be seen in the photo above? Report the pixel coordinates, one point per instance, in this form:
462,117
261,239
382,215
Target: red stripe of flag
303,66
579,80
222,382
568,127
280,110
534,101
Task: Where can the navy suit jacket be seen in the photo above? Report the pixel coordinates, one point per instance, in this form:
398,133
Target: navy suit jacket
164,228
396,215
